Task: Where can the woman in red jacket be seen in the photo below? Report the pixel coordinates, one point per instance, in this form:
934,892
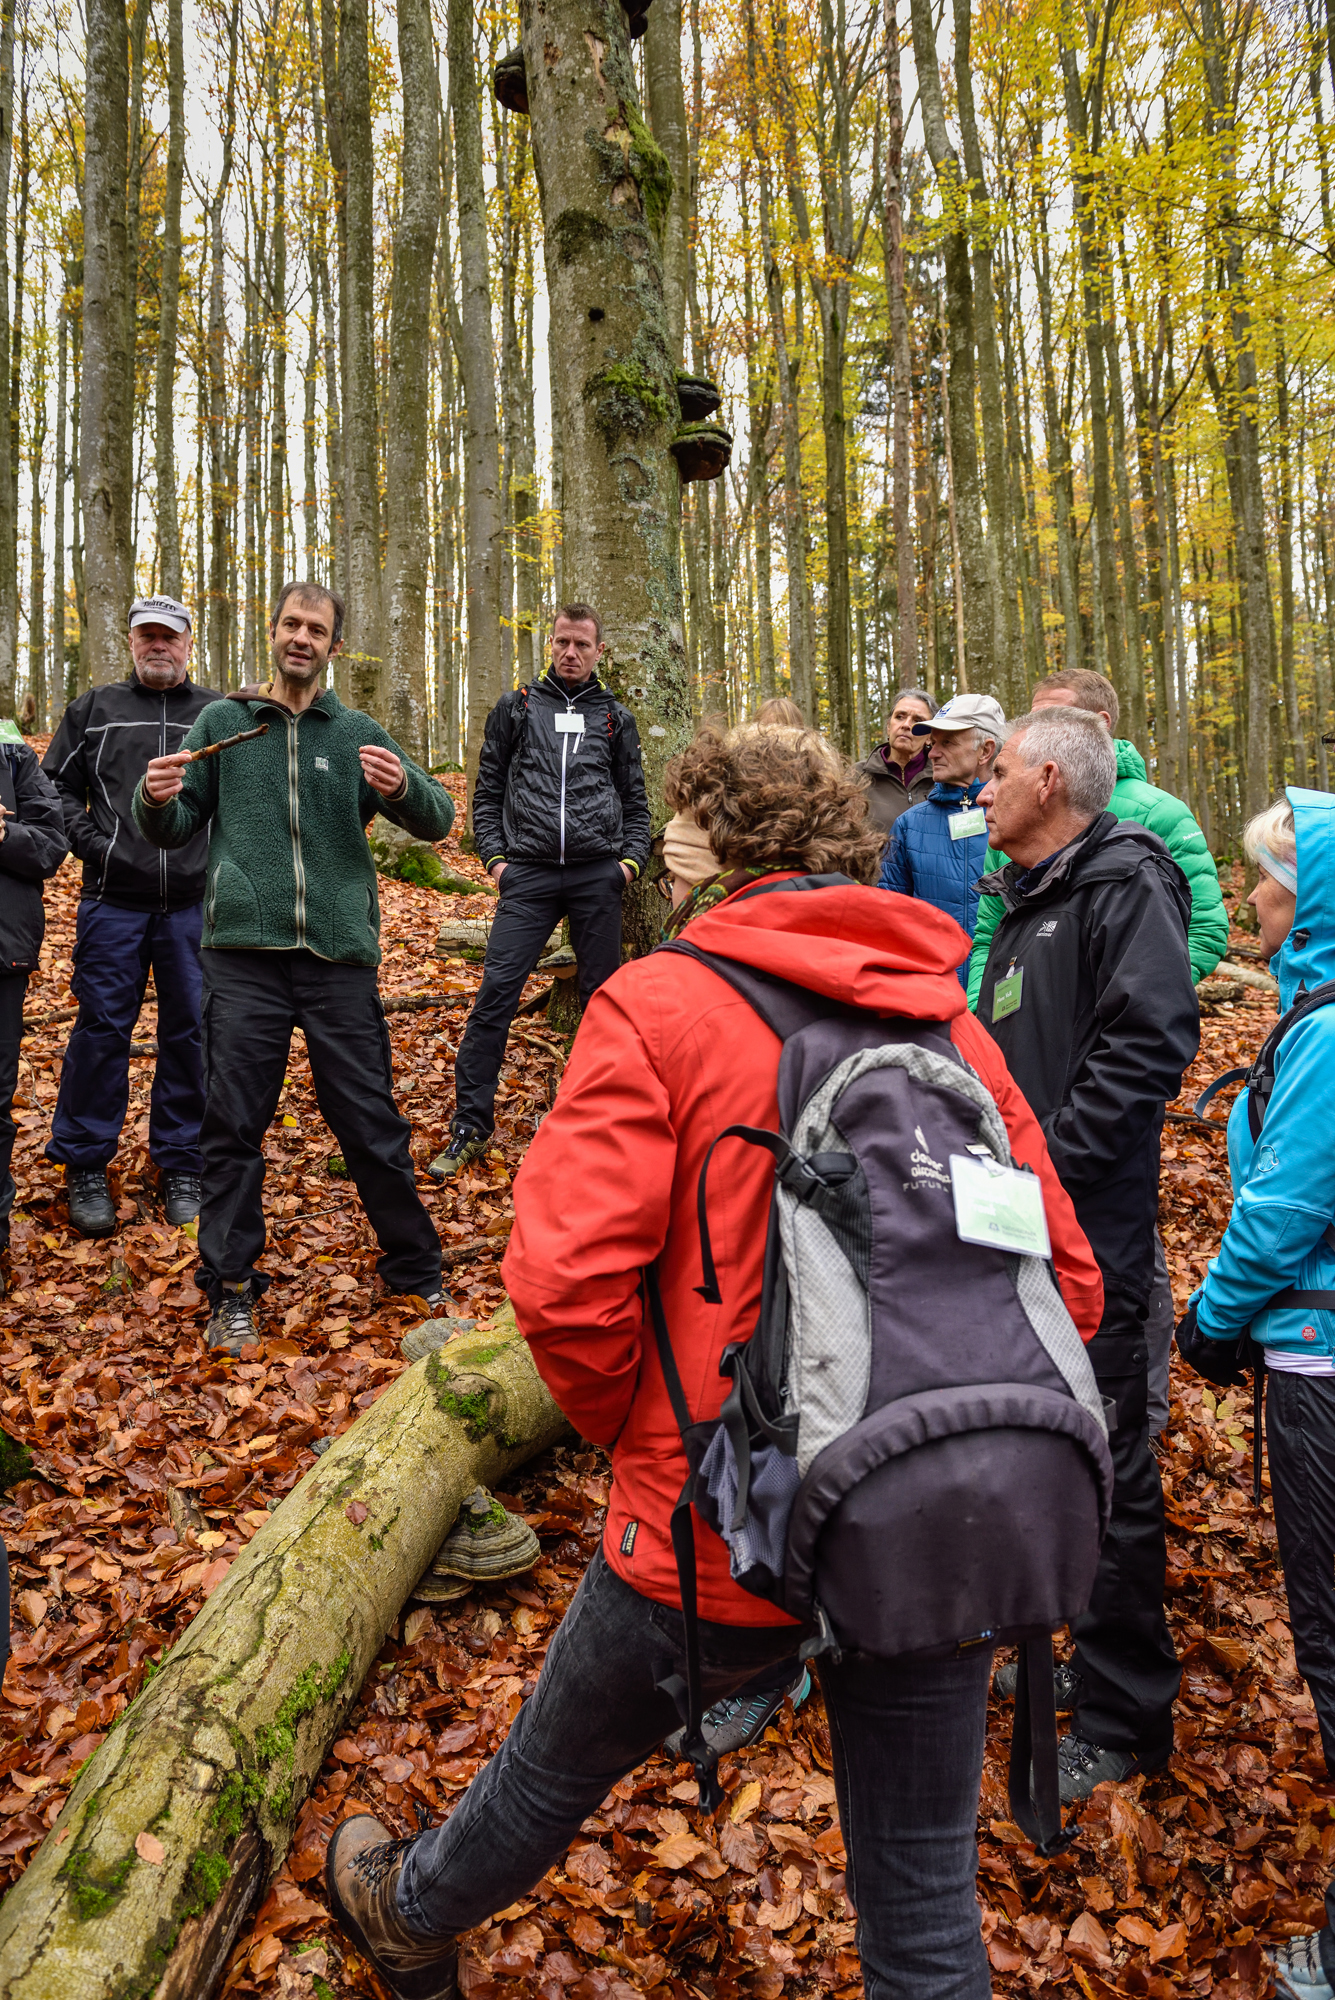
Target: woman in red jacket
667,1055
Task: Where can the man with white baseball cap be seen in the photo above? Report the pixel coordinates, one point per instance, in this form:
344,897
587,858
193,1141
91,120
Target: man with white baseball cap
937,850
141,912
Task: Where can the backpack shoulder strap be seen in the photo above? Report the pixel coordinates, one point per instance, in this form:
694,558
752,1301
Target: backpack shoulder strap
781,1005
1261,1075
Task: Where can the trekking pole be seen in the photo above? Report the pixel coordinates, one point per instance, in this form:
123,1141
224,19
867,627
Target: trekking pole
212,749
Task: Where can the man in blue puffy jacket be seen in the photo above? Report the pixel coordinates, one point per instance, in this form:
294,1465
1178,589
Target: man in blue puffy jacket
938,849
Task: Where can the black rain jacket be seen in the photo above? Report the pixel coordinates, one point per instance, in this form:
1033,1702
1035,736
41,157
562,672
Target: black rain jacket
1107,1024
561,796
33,847
97,757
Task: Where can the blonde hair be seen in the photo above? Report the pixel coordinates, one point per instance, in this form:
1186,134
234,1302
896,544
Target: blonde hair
1272,829
779,712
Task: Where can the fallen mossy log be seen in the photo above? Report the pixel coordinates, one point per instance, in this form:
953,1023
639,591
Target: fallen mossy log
179,1818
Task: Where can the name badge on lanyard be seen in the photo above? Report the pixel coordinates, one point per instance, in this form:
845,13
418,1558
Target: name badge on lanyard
970,821
569,725
1007,995
998,1206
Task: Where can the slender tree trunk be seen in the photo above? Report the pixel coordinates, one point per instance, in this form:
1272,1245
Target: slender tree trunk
8,508
477,368
80,677
164,429
901,361
36,549
666,96
20,275
1000,551
60,694
222,499
364,632
106,440
277,321
408,436
973,585
760,414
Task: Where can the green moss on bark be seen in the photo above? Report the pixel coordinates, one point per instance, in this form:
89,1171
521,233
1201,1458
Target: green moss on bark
649,165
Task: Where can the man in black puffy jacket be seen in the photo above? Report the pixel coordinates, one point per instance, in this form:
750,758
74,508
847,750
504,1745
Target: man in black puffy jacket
561,820
32,847
140,913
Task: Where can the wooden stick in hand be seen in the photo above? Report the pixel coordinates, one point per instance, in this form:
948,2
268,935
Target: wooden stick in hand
212,749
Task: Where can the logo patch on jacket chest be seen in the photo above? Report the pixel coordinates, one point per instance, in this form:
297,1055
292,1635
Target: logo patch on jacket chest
1047,929
322,763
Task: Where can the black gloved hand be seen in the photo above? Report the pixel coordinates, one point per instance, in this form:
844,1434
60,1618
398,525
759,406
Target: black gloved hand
1223,1362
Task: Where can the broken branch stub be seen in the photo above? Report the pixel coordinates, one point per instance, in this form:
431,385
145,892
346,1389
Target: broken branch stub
215,1757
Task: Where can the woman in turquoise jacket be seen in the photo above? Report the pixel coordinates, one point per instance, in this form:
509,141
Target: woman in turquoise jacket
1277,1242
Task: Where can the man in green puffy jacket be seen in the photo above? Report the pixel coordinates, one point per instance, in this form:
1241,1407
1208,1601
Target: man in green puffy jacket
1207,933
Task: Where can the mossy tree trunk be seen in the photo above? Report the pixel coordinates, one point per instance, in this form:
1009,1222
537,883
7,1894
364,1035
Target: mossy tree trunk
606,187
215,1757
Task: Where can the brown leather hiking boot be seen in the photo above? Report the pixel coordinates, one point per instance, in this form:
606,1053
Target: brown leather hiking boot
361,1874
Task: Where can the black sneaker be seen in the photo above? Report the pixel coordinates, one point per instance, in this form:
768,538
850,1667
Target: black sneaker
92,1211
1065,1684
740,1719
232,1322
180,1198
1082,1766
361,1873
465,1145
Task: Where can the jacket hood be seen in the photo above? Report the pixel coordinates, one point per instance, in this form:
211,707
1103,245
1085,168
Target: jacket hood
1130,763
952,795
869,948
1307,956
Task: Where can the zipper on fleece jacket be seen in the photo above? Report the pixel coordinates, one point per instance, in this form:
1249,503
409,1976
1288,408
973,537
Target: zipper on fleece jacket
294,825
162,751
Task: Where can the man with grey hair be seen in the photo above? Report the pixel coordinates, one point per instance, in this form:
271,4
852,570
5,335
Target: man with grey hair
1088,992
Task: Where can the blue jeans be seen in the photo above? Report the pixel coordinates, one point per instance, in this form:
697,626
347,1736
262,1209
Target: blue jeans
114,951
908,1757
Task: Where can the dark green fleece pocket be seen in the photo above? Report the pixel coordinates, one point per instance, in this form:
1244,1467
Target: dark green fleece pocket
232,908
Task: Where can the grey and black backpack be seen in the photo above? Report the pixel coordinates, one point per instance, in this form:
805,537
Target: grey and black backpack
912,1457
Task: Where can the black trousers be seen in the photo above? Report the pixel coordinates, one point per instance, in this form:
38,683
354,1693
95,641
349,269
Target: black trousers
535,895
13,987
252,1002
1123,1652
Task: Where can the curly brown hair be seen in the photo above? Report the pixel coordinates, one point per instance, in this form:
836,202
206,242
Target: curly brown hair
776,798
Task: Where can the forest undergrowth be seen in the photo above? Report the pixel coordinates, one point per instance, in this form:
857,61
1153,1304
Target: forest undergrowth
152,1464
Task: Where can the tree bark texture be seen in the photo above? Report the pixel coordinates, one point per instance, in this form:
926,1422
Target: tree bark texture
667,115
906,648
471,327
363,639
408,434
606,189
164,432
106,434
975,667
216,1755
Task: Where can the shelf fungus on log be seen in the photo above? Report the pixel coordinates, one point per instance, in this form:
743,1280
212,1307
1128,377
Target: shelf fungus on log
697,396
486,1544
509,80
702,451
181,1816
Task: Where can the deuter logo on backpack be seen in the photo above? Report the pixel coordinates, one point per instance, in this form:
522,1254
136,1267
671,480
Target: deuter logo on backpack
912,1457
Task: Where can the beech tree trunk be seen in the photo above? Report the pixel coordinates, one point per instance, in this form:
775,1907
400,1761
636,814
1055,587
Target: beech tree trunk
215,1757
606,190
408,436
471,330
361,446
906,646
106,437
164,431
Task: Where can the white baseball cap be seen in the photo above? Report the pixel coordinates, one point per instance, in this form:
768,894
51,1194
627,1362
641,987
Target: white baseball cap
966,711
159,611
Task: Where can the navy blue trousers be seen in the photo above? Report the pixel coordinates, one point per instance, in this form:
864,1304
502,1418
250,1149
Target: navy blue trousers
114,952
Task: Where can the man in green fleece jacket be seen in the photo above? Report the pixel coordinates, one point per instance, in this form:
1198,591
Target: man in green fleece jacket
1207,932
292,939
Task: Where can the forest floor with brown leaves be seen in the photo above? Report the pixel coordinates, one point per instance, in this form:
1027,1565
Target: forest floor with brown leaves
154,1463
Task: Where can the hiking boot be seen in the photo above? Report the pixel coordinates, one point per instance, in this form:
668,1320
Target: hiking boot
180,1198
1081,1766
1299,1973
1065,1684
92,1211
361,1873
740,1719
232,1322
465,1145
